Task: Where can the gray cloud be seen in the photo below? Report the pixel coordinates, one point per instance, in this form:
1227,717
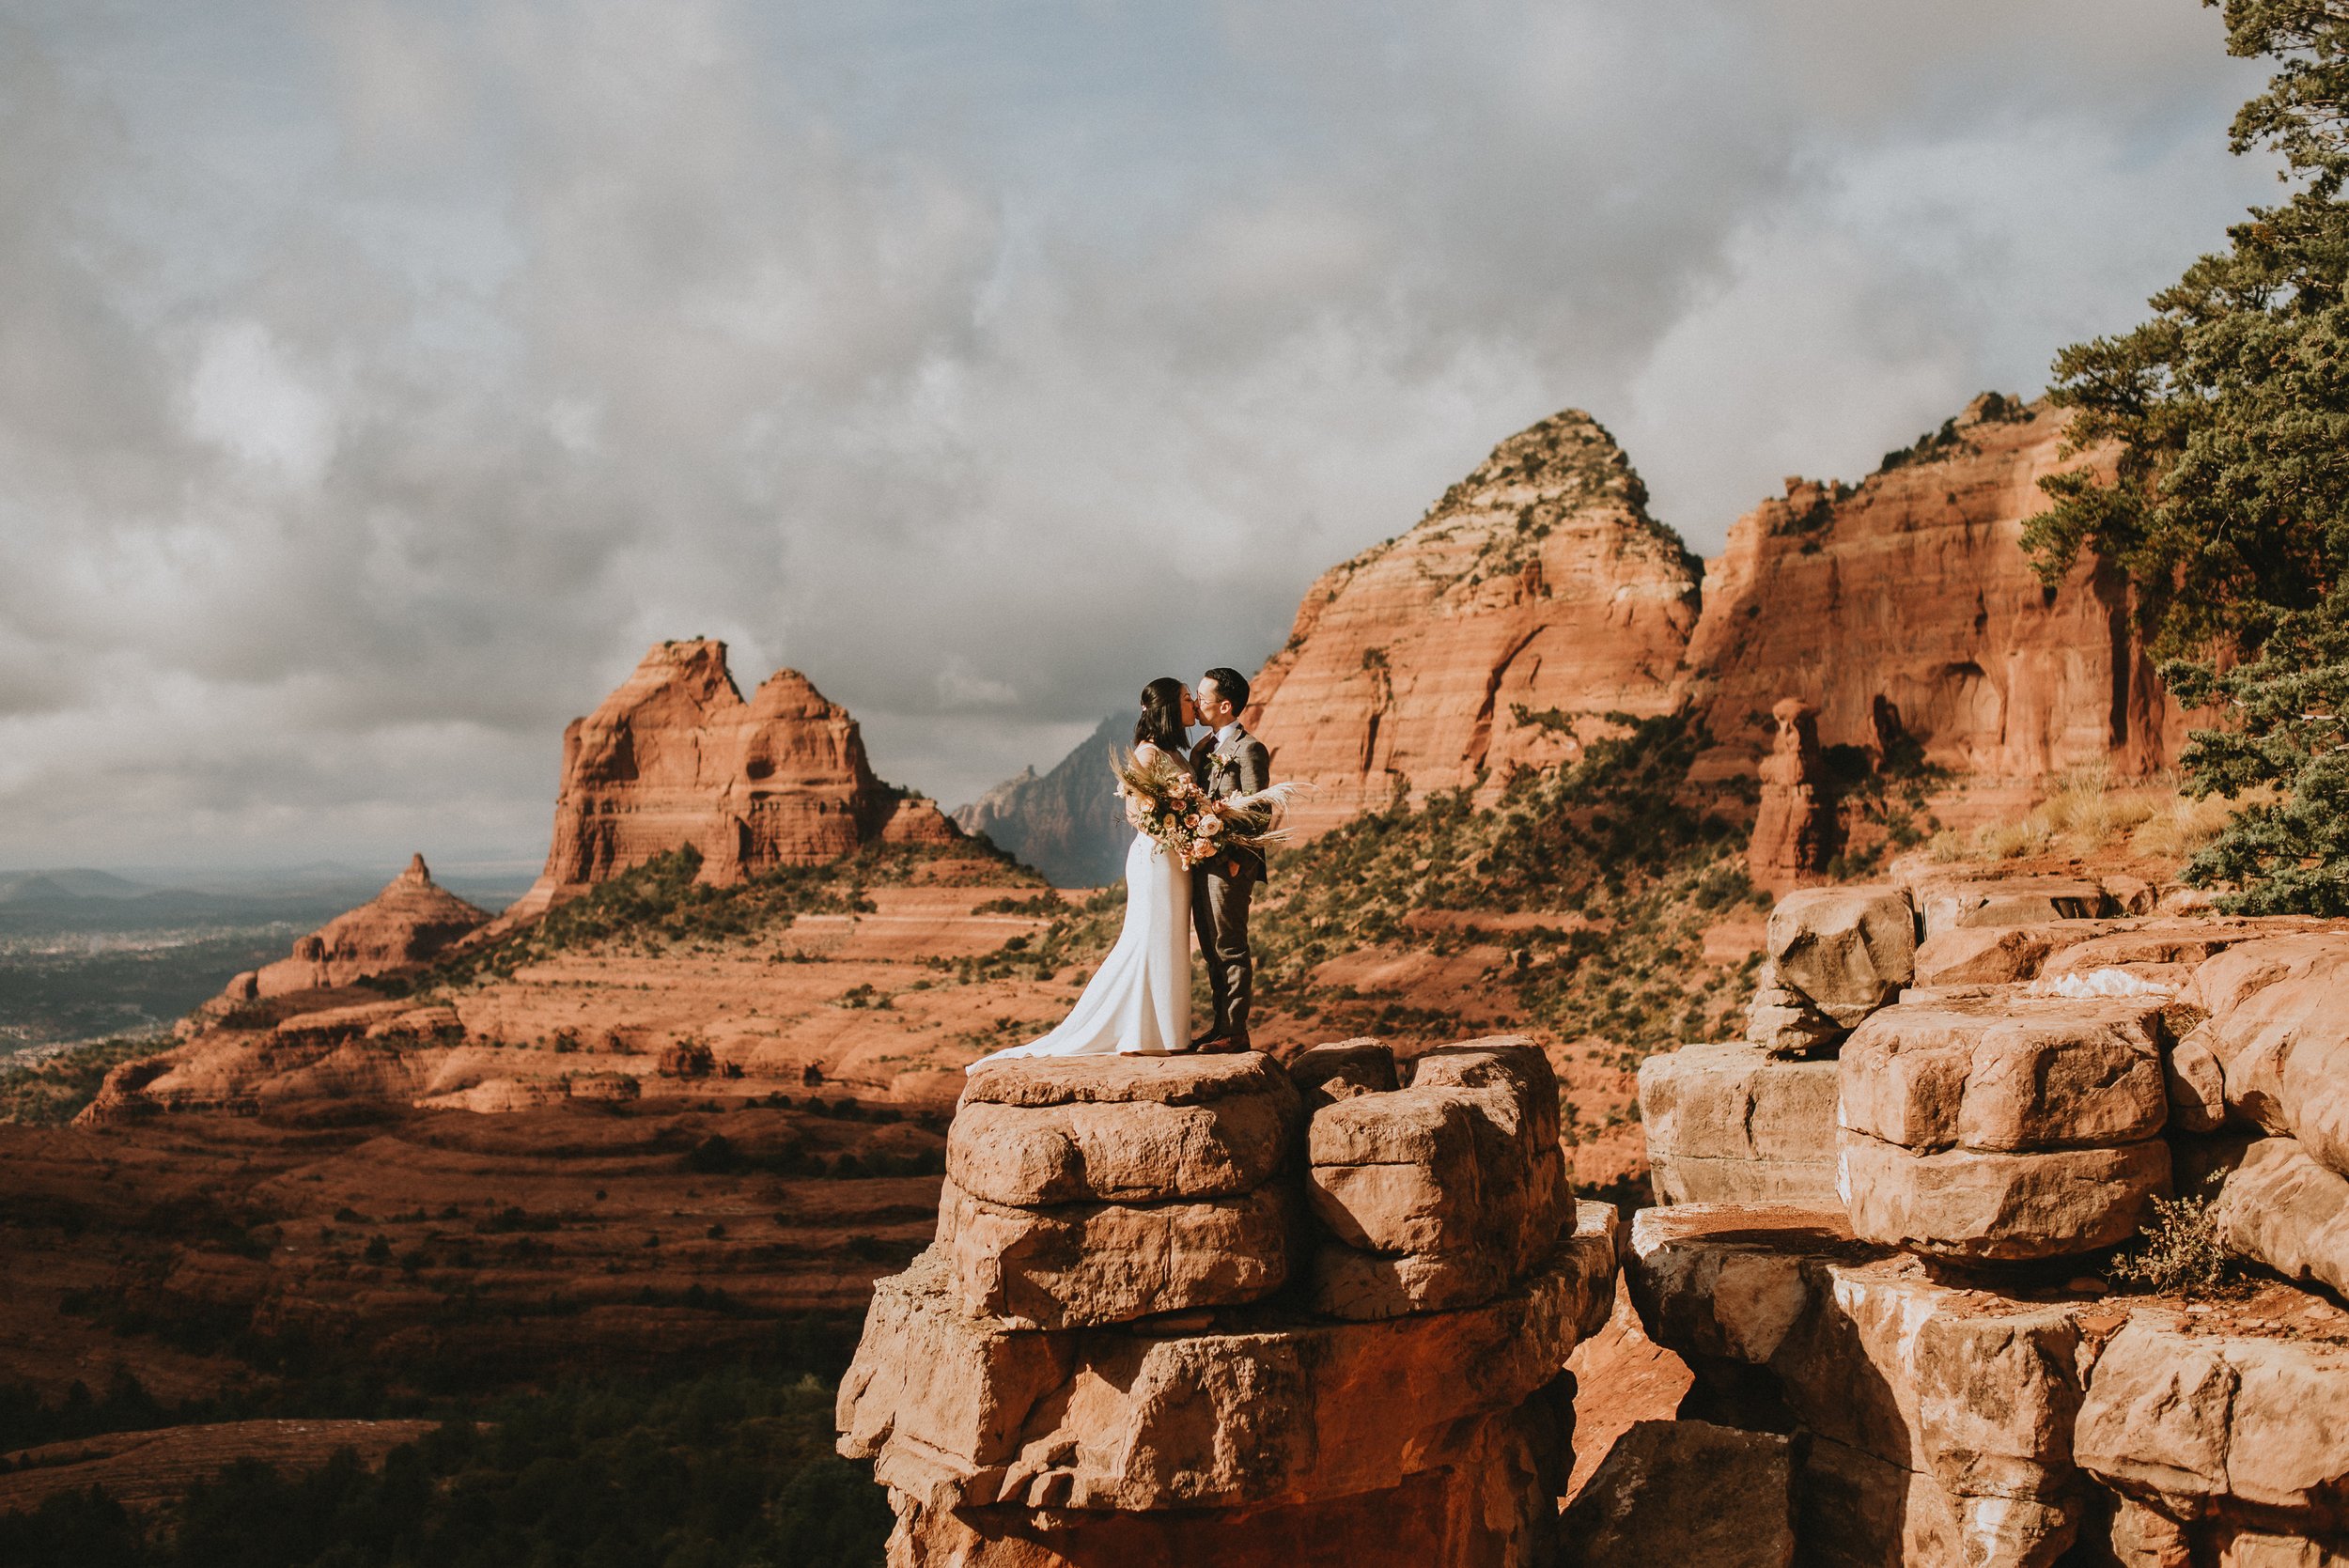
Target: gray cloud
379,378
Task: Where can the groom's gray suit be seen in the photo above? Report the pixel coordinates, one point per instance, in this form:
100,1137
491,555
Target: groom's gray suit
1225,765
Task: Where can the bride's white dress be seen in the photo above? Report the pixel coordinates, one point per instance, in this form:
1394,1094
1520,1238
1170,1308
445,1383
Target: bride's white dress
1139,999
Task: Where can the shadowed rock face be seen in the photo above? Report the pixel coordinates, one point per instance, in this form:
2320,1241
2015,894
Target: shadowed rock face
1066,823
1537,596
675,757
411,919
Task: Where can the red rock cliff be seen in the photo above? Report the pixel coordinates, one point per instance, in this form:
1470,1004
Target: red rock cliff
677,757
1538,594
1535,597
1909,602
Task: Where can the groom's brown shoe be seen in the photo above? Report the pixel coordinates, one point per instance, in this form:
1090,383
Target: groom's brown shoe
1220,1044
1201,1042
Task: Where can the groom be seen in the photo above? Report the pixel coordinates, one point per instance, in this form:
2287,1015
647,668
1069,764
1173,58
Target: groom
1229,765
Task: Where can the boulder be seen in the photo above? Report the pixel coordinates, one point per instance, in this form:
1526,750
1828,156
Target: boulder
2210,1426
1847,950
1983,954
1440,1194
1121,1129
2011,901
1732,1123
2286,1210
1340,1070
2280,1036
2195,1086
1785,1023
2006,1207
1080,1263
2007,1073
1686,1492
1936,1419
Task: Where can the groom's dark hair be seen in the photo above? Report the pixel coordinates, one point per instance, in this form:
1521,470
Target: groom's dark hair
1232,684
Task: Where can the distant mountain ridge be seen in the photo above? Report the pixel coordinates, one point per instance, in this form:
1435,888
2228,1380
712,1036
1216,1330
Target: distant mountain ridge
1065,823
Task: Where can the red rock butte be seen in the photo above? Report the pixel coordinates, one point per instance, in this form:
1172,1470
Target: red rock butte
411,921
1537,597
675,757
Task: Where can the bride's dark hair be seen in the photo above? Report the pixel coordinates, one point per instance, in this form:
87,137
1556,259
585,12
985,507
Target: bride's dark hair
1161,720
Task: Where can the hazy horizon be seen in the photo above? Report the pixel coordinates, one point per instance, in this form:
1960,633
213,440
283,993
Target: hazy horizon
379,380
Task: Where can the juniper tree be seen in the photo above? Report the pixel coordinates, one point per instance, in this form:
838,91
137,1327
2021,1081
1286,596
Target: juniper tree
2229,505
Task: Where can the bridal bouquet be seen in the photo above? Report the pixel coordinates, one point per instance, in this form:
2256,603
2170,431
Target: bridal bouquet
1175,812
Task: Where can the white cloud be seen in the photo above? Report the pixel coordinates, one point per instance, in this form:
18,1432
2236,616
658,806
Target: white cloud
375,384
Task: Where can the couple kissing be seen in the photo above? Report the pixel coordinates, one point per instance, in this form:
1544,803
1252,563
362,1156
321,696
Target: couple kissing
1203,813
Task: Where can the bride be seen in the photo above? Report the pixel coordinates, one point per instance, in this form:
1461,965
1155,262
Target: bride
1139,1001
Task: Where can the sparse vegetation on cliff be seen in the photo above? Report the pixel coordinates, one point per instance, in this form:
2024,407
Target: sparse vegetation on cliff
1632,861
660,905
2230,509
52,1092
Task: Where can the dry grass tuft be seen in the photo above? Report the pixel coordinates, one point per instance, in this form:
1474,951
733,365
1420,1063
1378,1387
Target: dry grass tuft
2086,812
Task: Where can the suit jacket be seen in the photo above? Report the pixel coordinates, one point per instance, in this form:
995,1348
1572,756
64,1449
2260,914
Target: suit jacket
1239,766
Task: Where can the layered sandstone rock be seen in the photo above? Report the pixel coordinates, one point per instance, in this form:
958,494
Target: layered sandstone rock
1732,1123
1137,1425
1102,1189
1905,612
2004,1126
1832,957
676,759
1442,1194
1686,1492
410,922
1938,1418
1902,614
1534,598
2288,1211
1793,827
2234,1446
2280,1036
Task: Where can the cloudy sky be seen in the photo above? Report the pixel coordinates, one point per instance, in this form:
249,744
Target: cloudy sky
377,380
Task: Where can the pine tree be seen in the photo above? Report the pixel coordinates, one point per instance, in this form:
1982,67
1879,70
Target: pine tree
2230,506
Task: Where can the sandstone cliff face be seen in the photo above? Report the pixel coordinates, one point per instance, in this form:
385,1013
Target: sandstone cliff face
677,757
1906,606
1537,596
1065,823
411,921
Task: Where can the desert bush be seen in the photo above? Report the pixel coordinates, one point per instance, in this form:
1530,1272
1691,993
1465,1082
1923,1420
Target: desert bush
2178,1251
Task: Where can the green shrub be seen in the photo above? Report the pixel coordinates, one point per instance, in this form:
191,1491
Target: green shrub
2178,1251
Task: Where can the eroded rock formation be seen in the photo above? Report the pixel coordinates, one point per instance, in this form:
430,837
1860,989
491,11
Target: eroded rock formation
1534,598
2053,1068
1901,613
1105,1359
1904,608
412,921
676,759
1793,827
